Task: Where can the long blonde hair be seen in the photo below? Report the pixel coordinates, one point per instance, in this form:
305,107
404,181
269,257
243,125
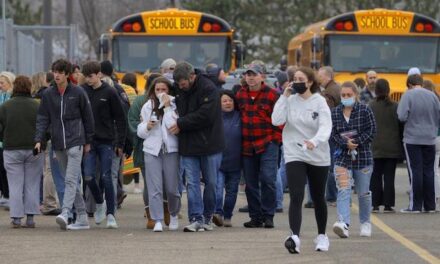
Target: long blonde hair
38,82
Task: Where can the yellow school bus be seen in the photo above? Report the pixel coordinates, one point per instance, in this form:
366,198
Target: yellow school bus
141,41
387,41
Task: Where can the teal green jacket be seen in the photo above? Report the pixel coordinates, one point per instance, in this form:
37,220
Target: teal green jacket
134,118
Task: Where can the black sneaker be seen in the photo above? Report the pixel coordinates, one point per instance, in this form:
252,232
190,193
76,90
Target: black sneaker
309,205
268,223
389,209
253,224
244,209
375,209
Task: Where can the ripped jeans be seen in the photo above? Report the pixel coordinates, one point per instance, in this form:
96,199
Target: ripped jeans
345,178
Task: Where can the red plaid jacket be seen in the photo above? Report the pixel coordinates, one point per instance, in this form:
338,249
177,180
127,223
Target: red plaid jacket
257,128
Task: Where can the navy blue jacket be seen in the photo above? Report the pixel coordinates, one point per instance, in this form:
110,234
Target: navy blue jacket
69,117
232,154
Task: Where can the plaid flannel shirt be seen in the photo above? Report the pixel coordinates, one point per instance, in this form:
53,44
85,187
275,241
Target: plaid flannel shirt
362,121
257,128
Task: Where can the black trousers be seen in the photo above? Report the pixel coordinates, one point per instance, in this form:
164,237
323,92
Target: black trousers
382,182
420,160
298,173
4,188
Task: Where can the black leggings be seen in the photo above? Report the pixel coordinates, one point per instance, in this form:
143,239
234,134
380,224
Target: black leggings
4,188
298,173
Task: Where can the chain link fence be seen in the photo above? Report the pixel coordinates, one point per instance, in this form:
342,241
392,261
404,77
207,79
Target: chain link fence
25,53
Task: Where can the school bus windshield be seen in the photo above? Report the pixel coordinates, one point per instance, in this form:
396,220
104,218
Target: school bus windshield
394,54
138,53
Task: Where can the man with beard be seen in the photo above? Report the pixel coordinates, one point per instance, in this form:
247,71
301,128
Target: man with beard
368,92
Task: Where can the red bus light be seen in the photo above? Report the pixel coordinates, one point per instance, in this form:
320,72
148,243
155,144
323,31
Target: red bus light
127,27
339,26
216,27
429,27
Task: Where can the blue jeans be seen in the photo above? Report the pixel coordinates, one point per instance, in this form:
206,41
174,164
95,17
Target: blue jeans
331,192
199,209
58,178
228,181
261,168
281,180
105,154
345,179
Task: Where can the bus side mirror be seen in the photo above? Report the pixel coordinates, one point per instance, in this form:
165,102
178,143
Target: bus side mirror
240,53
104,45
316,44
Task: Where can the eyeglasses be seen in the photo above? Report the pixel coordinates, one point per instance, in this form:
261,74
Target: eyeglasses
346,95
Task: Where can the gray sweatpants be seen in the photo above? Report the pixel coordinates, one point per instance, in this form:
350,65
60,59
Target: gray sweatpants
49,191
24,172
70,165
160,171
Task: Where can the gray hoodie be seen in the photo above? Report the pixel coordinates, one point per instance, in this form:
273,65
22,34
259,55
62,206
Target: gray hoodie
420,110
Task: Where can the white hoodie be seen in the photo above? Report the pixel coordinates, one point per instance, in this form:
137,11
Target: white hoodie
304,119
159,134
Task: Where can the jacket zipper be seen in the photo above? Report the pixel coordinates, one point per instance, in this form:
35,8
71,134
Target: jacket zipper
62,122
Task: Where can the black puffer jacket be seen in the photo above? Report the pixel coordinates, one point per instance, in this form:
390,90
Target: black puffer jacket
200,119
69,116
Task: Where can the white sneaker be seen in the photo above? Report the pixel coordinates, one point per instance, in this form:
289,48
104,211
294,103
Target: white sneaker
81,223
4,202
322,243
292,244
137,191
174,223
100,213
111,222
62,220
341,229
158,227
365,230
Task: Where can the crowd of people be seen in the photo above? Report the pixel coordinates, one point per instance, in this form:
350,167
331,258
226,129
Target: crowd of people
66,134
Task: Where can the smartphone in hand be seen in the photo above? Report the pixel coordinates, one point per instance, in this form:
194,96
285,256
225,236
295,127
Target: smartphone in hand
35,152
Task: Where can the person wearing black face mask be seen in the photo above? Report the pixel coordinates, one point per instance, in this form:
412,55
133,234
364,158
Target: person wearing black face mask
299,87
307,128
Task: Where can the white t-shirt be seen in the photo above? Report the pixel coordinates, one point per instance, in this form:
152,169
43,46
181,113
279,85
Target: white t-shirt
304,119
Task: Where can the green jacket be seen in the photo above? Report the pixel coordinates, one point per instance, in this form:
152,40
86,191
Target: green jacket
18,117
134,116
388,140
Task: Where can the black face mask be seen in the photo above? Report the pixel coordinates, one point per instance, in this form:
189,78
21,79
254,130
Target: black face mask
300,87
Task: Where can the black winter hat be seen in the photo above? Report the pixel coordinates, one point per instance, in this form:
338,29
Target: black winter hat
107,68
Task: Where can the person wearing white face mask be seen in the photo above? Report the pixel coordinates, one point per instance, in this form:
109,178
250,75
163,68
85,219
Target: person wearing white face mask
160,153
354,128
308,124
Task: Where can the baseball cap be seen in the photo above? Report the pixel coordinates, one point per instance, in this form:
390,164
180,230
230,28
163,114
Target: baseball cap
254,68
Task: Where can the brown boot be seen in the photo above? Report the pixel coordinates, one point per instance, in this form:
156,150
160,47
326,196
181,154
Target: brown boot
150,223
166,213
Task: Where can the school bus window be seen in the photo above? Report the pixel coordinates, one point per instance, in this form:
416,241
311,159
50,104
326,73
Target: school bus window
137,49
375,52
176,50
141,53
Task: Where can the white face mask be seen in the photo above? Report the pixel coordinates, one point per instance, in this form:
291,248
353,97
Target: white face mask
169,76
